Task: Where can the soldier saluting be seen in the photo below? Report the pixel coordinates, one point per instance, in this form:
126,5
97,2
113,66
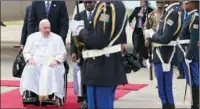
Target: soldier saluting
189,37
164,43
103,68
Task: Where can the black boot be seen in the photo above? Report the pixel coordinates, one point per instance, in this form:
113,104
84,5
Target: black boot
165,106
171,106
168,106
195,97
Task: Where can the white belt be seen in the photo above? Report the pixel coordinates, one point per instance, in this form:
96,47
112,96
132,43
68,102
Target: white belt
166,66
106,51
183,42
187,41
172,43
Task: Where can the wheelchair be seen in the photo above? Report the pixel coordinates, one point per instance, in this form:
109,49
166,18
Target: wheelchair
30,98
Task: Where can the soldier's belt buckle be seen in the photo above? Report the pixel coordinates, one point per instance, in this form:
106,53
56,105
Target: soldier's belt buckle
107,54
166,67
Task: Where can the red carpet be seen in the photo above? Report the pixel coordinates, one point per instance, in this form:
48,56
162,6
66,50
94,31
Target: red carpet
13,99
133,87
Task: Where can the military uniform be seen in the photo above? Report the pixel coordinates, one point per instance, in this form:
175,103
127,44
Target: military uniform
102,73
164,43
189,38
180,57
88,25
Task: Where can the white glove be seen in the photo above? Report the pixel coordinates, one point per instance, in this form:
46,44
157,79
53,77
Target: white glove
148,33
76,27
187,61
151,32
148,64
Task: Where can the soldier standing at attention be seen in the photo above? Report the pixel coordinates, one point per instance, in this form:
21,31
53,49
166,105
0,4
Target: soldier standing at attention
189,37
103,68
165,40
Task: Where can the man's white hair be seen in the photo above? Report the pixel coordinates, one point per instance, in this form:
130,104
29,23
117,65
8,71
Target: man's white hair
43,21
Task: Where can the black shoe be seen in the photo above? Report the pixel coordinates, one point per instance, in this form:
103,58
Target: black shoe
171,106
195,97
165,106
80,99
181,77
168,106
30,98
84,105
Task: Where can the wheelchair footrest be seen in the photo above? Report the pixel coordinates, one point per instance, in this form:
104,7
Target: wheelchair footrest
33,100
47,102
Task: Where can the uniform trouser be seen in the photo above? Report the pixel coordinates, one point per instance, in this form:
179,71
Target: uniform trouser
180,68
100,96
164,80
194,73
139,44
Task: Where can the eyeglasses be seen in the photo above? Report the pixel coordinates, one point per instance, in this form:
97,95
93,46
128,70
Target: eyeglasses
88,2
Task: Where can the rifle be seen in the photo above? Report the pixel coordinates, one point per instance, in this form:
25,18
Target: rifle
149,43
77,41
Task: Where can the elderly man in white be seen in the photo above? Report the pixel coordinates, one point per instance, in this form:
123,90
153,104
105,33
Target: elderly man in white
45,53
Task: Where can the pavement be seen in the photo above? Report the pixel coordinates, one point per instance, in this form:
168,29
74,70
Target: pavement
144,98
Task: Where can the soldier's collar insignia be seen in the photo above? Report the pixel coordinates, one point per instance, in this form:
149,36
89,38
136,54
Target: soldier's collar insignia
104,17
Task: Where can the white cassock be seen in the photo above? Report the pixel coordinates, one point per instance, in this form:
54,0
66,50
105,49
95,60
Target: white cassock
42,79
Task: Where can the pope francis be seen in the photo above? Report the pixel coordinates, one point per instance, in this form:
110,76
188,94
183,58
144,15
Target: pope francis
44,53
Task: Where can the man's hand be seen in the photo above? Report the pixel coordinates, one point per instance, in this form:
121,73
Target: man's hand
187,61
148,33
53,63
74,57
148,42
198,44
76,27
32,62
124,48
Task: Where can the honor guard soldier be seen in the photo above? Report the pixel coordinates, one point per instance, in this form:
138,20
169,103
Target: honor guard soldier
189,37
103,68
86,15
164,43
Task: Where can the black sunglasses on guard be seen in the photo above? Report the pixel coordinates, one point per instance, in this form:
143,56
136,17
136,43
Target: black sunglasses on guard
88,2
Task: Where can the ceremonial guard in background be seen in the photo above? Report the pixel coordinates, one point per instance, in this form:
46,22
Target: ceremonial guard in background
189,37
86,15
164,43
103,68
